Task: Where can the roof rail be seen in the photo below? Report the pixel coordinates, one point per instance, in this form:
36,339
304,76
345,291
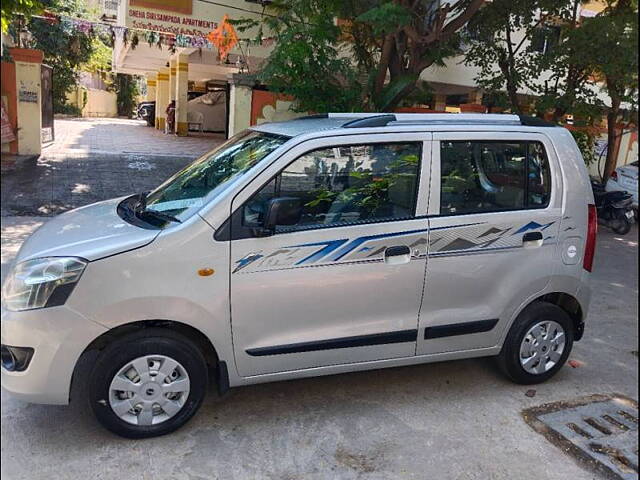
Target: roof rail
358,120
371,121
535,121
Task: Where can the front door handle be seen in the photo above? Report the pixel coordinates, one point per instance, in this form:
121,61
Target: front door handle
397,255
532,240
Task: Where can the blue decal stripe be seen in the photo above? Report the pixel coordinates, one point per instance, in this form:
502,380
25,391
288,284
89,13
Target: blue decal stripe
329,247
359,241
533,226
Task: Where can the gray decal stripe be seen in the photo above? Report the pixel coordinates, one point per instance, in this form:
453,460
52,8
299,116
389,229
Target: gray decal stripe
401,336
472,251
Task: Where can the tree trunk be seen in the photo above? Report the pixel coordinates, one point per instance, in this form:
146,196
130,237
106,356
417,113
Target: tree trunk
401,94
610,163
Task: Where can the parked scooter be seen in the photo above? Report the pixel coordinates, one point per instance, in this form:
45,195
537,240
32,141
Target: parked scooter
614,208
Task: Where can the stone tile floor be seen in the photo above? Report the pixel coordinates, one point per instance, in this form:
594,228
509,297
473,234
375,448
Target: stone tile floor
119,135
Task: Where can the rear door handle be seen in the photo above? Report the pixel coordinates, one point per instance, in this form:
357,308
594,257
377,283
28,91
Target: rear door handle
397,255
532,240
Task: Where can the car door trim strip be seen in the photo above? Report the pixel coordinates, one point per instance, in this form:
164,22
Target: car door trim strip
400,336
453,329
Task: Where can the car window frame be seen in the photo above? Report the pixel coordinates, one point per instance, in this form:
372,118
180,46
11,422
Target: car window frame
435,190
233,229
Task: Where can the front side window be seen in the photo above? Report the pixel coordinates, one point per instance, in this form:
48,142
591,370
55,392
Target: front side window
190,188
479,176
345,185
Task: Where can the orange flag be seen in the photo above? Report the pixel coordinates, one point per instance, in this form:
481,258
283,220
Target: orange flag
224,37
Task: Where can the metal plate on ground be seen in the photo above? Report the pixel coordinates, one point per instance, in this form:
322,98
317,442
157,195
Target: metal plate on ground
600,430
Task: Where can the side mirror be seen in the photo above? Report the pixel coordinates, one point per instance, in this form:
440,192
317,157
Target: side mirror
280,211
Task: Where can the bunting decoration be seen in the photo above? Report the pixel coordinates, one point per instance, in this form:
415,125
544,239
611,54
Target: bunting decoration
223,38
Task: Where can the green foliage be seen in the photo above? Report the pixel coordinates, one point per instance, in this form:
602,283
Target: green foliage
499,41
327,67
586,143
13,8
606,46
389,93
385,18
66,50
126,89
100,57
307,61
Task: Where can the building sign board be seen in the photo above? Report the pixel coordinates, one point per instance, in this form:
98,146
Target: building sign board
27,92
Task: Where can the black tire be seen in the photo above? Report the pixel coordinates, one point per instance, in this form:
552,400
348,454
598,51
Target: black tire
621,225
509,357
147,341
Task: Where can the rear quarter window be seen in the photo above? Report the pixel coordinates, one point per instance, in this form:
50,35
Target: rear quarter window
493,176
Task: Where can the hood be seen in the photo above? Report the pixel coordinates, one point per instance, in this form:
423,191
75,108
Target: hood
90,232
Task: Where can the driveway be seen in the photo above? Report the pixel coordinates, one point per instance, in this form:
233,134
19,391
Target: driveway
456,420
96,159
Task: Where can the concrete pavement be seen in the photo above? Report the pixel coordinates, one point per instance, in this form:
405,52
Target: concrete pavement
457,420
95,159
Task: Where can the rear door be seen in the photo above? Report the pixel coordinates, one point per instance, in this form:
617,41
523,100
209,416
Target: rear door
344,284
495,212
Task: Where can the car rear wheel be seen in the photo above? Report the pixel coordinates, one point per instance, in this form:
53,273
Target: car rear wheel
538,344
148,383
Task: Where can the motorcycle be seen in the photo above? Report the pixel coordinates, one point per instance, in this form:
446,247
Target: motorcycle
614,208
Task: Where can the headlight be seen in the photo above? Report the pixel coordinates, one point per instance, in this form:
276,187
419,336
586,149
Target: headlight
41,282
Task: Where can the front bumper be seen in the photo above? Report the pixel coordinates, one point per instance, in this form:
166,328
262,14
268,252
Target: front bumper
58,336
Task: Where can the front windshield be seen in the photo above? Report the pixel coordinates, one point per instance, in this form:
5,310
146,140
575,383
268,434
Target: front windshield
185,192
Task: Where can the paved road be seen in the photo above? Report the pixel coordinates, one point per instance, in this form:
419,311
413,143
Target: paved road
457,420
96,159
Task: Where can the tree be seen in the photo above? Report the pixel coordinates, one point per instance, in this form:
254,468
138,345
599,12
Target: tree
403,38
65,49
607,48
501,44
567,90
126,91
13,8
308,61
390,41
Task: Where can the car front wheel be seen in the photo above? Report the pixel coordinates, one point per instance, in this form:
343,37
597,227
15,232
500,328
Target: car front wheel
148,383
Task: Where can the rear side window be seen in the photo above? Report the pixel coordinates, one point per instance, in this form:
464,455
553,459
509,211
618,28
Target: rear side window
480,176
345,185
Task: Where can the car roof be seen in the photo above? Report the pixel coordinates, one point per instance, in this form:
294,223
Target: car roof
419,121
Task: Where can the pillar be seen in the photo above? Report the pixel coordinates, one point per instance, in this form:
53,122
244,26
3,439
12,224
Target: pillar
182,87
240,98
151,87
28,64
172,78
162,97
476,97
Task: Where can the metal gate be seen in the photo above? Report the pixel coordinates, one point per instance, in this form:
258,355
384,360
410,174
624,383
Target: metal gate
46,85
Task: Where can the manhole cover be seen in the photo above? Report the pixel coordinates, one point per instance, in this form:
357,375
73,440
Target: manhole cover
600,430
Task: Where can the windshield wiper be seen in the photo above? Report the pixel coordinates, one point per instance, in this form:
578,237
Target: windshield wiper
140,210
159,215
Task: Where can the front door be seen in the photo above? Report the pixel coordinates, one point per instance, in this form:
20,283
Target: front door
344,283
495,213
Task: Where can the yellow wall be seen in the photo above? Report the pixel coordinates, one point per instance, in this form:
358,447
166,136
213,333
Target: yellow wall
94,103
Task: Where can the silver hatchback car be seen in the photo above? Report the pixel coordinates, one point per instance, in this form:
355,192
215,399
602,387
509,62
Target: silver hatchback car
323,245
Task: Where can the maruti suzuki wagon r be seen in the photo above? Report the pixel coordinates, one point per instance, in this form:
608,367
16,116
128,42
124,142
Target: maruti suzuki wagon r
323,245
